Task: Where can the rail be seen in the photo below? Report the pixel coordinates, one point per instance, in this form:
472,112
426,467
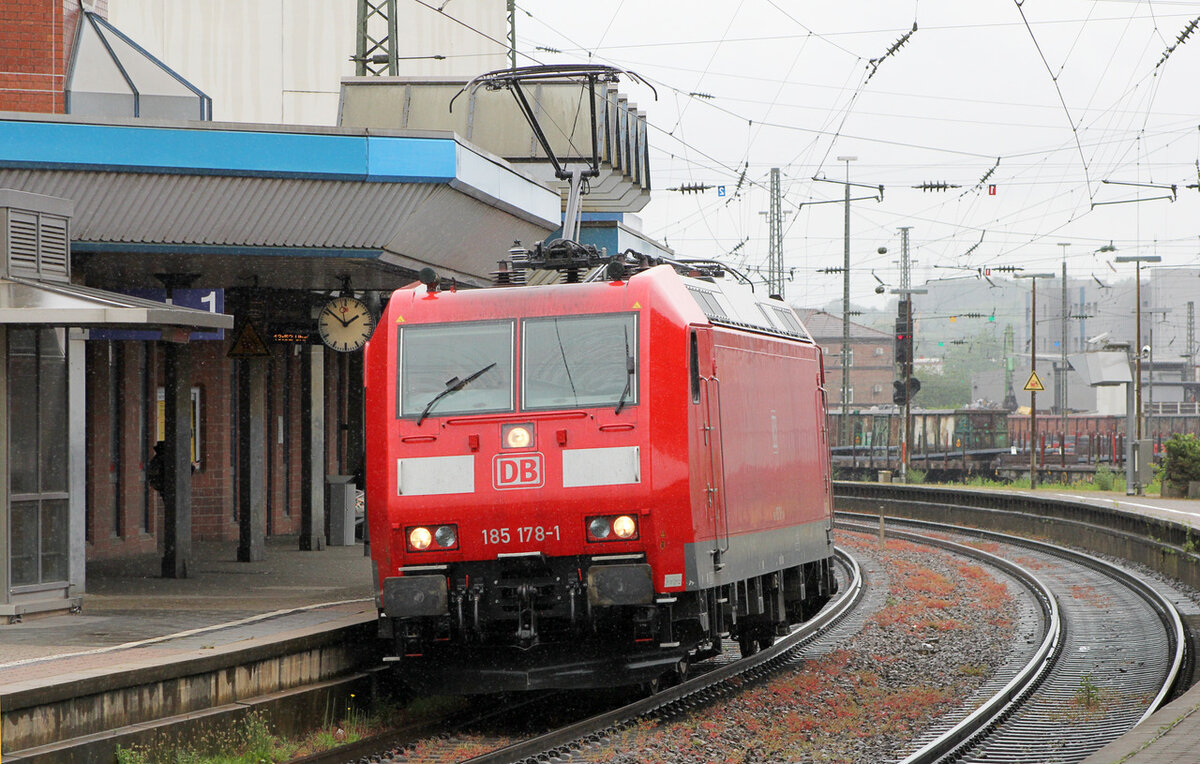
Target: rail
536,749
988,715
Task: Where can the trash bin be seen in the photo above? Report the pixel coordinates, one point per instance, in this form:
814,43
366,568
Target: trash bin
339,508
885,476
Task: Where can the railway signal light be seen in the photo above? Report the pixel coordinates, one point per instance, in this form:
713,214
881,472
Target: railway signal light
905,386
903,344
902,394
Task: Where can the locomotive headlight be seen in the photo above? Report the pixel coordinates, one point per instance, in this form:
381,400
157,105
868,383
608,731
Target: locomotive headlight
517,435
612,528
625,527
422,538
446,536
599,527
419,538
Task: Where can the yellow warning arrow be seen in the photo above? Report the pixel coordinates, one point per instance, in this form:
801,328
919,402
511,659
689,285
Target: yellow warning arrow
1034,385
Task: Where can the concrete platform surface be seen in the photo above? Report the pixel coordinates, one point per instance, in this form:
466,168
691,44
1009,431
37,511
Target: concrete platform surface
1170,736
131,615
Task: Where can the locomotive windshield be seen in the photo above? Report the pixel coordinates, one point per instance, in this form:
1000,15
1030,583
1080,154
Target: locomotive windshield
456,369
585,361
567,362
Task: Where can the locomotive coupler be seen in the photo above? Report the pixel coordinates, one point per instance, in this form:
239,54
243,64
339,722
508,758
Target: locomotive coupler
459,595
526,615
573,590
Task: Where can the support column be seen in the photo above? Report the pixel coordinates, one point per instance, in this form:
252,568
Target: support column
252,392
77,460
6,540
177,466
312,451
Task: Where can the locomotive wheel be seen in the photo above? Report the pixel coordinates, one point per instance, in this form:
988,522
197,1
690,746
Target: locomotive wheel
747,644
681,672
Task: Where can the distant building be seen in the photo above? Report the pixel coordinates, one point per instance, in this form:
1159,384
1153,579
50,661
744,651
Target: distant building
870,360
929,365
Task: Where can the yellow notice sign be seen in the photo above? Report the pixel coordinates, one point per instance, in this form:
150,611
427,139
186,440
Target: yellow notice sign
1034,385
248,344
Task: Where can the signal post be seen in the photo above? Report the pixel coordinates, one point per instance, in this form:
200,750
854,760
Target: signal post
905,386
1034,384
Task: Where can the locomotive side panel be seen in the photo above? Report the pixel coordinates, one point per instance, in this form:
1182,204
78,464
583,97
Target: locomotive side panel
772,501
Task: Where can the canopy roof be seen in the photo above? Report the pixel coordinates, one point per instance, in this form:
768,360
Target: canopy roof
27,301
280,206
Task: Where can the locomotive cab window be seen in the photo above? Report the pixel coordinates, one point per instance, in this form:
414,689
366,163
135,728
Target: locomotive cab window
459,368
580,361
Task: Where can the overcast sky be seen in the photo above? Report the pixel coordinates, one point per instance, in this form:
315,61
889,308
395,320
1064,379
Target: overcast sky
1055,102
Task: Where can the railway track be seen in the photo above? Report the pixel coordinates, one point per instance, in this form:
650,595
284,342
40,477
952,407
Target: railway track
1084,628
711,679
1112,647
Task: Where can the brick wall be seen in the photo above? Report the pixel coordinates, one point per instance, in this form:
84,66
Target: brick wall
116,464
868,370
33,56
213,483
36,41
283,440
117,480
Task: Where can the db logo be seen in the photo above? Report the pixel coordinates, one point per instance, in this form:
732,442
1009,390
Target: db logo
517,471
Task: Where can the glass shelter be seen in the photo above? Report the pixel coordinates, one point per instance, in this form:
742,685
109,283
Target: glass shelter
42,438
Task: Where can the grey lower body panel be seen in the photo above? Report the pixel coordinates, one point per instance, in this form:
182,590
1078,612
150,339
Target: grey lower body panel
755,554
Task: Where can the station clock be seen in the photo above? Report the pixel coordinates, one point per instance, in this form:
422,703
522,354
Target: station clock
345,324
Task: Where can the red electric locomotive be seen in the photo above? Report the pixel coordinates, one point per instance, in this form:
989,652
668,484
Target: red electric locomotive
589,484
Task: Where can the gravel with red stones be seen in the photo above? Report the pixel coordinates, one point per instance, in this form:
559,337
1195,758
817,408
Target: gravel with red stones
943,628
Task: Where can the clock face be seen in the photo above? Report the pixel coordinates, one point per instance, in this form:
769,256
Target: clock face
345,324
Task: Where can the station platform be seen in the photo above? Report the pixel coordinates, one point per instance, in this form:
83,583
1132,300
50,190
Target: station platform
137,627
1170,736
127,604
1183,511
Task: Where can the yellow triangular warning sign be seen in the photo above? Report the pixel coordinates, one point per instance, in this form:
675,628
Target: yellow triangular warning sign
247,344
1034,385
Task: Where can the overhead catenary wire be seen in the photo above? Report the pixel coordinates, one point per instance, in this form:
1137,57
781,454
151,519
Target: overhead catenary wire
1049,202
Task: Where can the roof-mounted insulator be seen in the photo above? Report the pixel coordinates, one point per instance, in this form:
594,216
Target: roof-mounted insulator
507,275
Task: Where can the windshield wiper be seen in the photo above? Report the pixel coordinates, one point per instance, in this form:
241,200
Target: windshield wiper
453,386
628,375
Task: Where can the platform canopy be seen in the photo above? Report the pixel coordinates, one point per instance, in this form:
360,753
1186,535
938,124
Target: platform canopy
287,207
24,301
35,277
